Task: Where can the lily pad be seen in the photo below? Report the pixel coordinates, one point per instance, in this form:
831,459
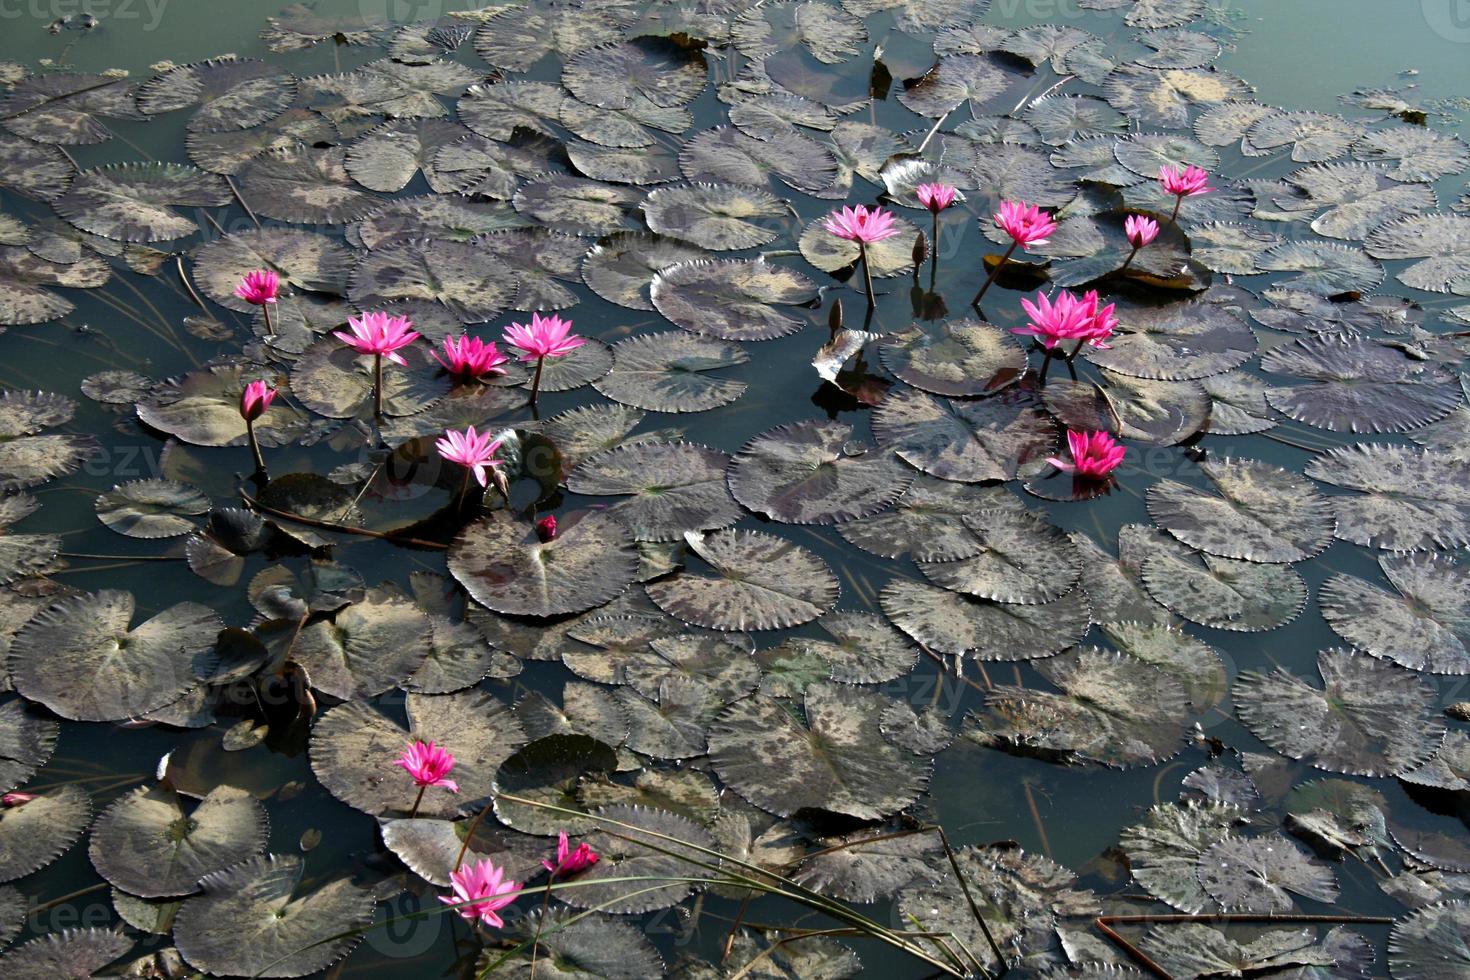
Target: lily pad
151,508
1425,626
731,300
926,521
134,202
760,582
715,216
997,438
1021,559
1407,499
1358,385
959,625
814,473
231,93
675,487
1257,512
41,830
962,359
1260,874
669,372
621,267
1177,343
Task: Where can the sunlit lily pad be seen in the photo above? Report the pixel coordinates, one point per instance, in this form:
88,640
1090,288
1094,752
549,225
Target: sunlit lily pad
336,381
669,372
621,267
1158,412
660,70
961,358
675,487
1260,874
716,216
70,952
1426,626
505,567
814,473
353,747
997,438
366,648
81,657
1408,499
760,581
1225,593
151,508
134,202
304,186
1418,153
959,625
303,259
640,855
467,281
1322,267
1312,136
890,257
1357,385
1177,343
249,920
231,93
1370,718
731,300
1164,849
575,204
725,155
1418,945
144,844
1258,512
837,761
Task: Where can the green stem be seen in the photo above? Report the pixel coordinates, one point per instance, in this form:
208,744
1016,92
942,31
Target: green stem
1178,200
994,273
536,381
255,446
416,801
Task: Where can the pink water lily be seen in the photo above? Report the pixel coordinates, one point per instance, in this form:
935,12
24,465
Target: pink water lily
545,336
1094,455
861,224
1103,322
379,334
428,764
1190,181
468,358
1052,322
487,890
569,861
1027,225
259,287
1140,230
255,399
546,528
475,451
14,799
936,196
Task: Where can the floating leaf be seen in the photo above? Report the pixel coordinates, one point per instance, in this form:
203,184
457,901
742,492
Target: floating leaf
1112,709
366,648
467,281
1177,343
68,107
248,922
1370,718
304,185
353,747
69,953
760,582
386,158
1165,98
814,473
997,438
151,508
1417,152
145,845
1408,500
926,521
668,372
642,855
675,487
1441,241
574,204
80,658
965,358
1258,512
36,833
829,33
957,79
1312,136
505,567
232,93
301,259
621,267
1428,944
1084,249
724,155
1021,558
1225,593
958,625
660,70
134,202
1357,385
716,216
1164,849
1426,626
1256,874
890,257
731,300
838,761
583,945
1323,267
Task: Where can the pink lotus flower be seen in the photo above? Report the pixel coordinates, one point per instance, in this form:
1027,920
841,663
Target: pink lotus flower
473,450
547,336
1103,323
429,765
1094,455
379,334
1069,318
936,197
1140,230
255,399
860,224
546,528
16,799
468,357
259,287
1193,180
484,886
1026,223
569,861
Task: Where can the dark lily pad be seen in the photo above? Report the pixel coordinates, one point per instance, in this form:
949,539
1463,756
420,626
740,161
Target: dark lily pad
68,107
1225,593
145,845
1159,412
386,159
1021,558
583,945
41,830
248,920
451,217
621,267
1358,385
134,202
731,300
715,216
467,281
760,582
353,747
151,508
675,487
70,952
724,155
658,69
838,761
1425,626
366,648
962,359
302,259
1084,249
231,93
1418,943
669,372
959,625
1258,512
1165,847
304,185
1260,874
80,657
1407,500
997,438
1370,718
229,151
1177,343
575,204
505,567
637,847
926,521
814,473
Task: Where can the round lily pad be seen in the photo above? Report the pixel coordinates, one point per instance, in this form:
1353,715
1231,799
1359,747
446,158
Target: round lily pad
1021,559
961,359
621,267
41,830
1406,499
815,473
668,372
1258,512
151,508
759,581
996,438
1357,385
675,487
723,217
731,300
1425,626
927,520
959,625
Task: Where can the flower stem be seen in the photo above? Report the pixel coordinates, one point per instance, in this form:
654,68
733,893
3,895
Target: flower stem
867,273
416,801
254,446
378,387
1046,365
1178,200
270,328
536,382
934,252
1075,351
993,274
1129,260
464,491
